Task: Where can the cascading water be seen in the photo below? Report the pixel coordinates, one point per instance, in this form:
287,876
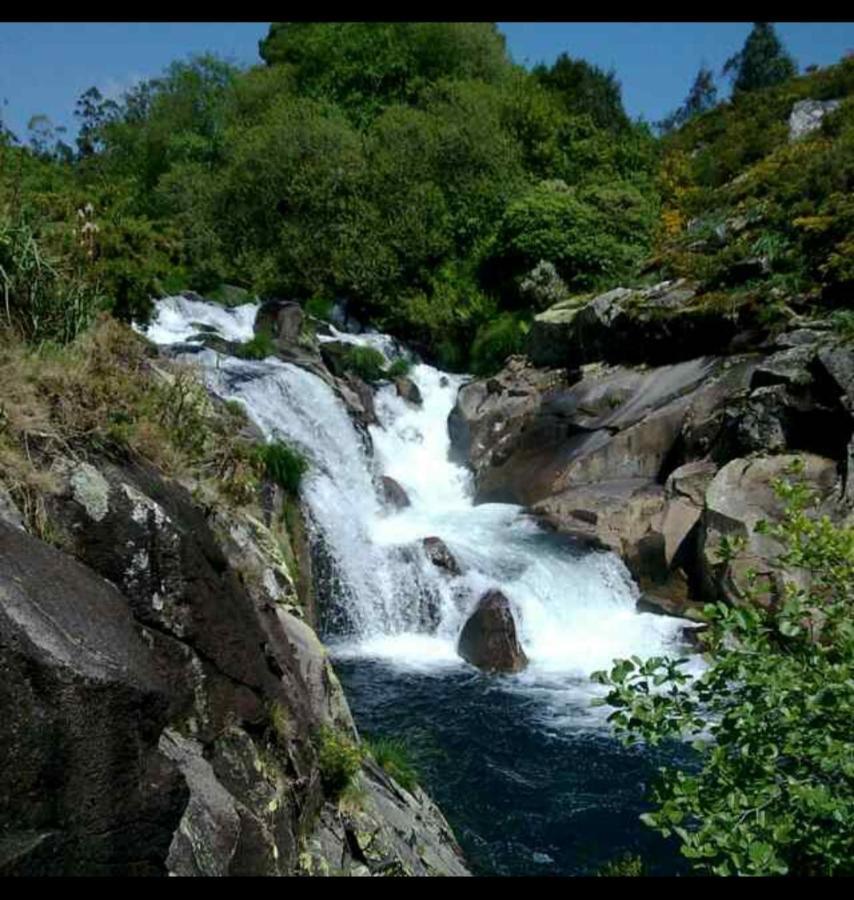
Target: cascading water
396,615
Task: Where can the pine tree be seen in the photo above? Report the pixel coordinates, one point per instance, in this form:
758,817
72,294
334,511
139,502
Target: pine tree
702,96
761,62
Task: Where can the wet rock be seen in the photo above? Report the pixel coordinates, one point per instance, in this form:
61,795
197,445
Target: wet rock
441,557
408,390
488,639
359,399
622,515
335,354
281,319
393,494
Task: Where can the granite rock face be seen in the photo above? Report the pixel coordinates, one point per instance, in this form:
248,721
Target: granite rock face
623,455
162,692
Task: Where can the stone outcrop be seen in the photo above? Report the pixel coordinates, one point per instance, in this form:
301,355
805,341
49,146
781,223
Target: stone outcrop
669,322
622,456
83,786
441,557
806,116
393,493
488,639
163,691
740,495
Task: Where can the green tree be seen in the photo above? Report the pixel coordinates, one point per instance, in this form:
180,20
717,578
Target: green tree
585,89
93,113
590,234
702,96
762,61
365,66
773,792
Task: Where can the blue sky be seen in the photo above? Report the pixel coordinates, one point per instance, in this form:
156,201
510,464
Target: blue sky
45,66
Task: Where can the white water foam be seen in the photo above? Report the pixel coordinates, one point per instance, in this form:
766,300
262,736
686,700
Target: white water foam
575,610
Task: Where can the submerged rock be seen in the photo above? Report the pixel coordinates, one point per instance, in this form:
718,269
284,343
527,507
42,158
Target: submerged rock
488,639
441,557
393,494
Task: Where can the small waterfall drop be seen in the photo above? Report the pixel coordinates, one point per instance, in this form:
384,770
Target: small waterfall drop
575,610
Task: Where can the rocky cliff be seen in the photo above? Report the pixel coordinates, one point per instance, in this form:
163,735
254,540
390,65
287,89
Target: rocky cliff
644,422
165,697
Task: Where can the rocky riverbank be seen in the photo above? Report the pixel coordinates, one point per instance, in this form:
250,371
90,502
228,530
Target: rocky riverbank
165,693
664,462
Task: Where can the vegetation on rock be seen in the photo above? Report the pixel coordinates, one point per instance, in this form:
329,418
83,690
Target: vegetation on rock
770,717
339,759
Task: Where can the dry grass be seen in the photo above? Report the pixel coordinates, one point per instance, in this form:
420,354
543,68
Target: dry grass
107,393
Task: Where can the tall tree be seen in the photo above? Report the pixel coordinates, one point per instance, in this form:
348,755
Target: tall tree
702,96
762,62
366,66
93,112
585,88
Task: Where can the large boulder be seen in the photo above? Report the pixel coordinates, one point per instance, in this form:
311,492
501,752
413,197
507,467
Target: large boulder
488,639
666,323
614,424
806,116
83,789
393,493
281,320
624,516
738,497
438,553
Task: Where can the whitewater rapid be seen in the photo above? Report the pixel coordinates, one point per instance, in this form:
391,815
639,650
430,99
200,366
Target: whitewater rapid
575,610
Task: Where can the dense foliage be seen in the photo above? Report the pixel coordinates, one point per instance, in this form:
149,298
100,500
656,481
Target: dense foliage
415,171
392,164
771,716
762,62
747,208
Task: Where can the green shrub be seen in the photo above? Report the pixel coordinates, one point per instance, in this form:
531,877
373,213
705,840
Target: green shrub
400,368
773,793
495,341
282,465
366,362
393,756
260,347
48,291
843,323
339,759
319,307
627,866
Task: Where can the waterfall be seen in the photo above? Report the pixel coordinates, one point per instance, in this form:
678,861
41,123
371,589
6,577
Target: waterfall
575,609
